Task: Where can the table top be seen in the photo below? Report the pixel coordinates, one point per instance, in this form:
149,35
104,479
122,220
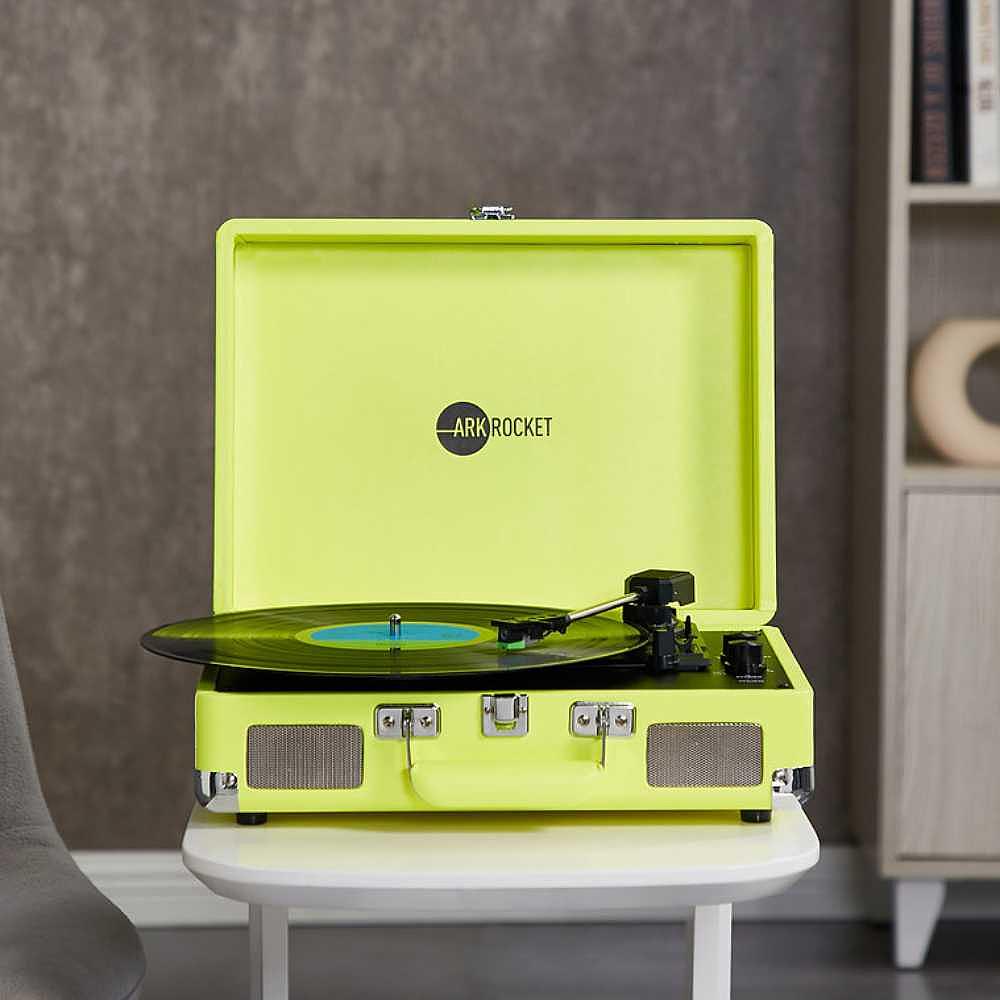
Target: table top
500,864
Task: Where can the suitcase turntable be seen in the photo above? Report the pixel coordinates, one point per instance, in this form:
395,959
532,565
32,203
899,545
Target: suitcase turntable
623,372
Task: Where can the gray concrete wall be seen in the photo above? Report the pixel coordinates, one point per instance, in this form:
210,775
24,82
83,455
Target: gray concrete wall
128,132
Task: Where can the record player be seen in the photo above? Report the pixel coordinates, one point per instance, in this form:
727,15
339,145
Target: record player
433,437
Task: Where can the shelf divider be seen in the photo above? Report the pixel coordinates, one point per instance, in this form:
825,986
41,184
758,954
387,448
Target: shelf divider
926,473
953,194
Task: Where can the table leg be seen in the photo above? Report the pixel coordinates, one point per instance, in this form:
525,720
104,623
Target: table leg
710,951
268,952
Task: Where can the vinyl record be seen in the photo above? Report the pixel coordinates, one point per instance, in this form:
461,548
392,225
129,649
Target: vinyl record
354,640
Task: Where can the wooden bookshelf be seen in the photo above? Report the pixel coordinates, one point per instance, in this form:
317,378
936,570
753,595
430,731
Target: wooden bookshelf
926,535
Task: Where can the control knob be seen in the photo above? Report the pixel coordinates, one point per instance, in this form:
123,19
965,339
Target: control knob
743,657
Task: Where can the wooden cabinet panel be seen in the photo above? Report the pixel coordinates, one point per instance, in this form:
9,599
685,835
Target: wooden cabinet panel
950,677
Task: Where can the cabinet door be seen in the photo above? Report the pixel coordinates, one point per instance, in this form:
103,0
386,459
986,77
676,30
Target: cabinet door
950,801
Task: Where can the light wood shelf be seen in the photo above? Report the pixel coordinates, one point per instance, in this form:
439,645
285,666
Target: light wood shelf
925,473
953,194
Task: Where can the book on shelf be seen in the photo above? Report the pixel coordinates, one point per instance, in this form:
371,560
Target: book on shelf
983,38
933,145
956,91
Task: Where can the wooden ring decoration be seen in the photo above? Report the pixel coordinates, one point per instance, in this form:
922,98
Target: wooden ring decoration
939,391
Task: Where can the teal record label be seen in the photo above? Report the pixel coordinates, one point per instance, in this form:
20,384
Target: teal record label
378,635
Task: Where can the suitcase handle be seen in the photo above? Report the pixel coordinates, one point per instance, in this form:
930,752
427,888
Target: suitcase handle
469,785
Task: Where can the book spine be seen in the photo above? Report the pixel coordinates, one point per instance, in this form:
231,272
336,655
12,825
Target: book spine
958,17
932,93
983,38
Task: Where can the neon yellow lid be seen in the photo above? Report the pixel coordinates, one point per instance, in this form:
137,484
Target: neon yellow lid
616,382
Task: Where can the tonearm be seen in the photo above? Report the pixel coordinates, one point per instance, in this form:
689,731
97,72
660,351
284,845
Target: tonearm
647,604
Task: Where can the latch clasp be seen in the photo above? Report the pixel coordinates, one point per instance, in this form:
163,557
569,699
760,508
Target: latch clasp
505,714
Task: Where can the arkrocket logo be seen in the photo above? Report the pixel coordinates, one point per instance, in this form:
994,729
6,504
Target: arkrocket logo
464,428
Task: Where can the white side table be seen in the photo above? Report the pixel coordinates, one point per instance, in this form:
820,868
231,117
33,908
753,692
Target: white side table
395,868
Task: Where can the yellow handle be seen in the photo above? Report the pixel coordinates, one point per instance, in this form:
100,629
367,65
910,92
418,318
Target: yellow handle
466,785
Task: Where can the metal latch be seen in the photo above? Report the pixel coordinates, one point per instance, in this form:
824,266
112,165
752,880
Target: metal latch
491,213
406,722
602,718
505,714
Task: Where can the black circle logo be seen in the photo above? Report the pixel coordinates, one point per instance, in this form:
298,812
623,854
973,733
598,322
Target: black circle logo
463,428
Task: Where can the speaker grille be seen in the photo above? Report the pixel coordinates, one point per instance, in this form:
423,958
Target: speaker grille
704,755
304,756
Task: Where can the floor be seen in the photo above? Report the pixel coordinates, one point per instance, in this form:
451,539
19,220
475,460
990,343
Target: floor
773,961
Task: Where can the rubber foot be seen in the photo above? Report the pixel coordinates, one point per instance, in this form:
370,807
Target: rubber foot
251,819
755,815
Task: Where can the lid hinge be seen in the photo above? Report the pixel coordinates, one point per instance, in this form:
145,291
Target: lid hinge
492,213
